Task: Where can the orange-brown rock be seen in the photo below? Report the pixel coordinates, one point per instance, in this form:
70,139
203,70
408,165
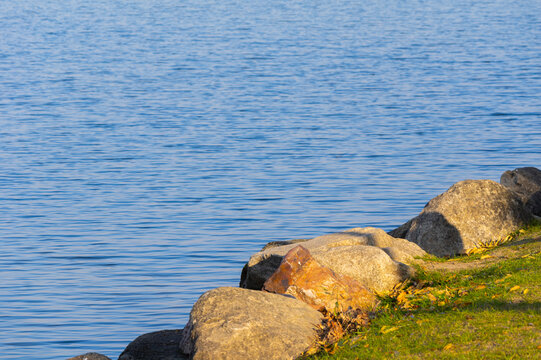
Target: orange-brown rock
301,276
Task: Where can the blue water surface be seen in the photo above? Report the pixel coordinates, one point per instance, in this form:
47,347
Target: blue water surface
148,147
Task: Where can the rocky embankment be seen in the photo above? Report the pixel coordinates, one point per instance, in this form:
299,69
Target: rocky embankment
294,295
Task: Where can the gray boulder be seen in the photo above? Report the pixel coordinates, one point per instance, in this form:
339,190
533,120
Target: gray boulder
158,345
469,214
365,254
526,182
234,323
90,356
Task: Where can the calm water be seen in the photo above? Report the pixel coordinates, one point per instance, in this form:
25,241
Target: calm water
149,147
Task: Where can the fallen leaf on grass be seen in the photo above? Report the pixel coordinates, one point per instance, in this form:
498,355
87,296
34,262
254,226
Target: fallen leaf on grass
448,347
483,257
387,329
480,287
503,279
431,297
514,288
525,291
474,251
401,298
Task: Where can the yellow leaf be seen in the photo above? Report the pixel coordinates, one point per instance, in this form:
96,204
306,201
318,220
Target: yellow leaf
525,291
387,329
522,231
485,257
431,297
514,288
448,347
441,303
480,287
401,297
476,251
503,278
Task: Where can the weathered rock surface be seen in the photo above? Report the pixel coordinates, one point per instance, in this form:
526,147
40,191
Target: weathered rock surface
90,356
526,182
301,276
355,252
234,323
369,265
158,345
469,214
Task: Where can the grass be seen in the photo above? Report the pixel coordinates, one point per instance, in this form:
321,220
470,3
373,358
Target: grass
489,309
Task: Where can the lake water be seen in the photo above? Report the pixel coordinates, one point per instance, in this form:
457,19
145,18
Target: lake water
149,147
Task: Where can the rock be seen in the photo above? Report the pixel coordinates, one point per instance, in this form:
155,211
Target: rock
234,323
274,244
401,231
399,255
526,182
369,265
373,268
90,356
302,276
158,345
470,213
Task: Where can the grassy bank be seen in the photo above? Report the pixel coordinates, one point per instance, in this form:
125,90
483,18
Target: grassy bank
486,306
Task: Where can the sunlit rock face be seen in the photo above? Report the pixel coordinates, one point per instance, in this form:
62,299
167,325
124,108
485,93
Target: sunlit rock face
239,324
301,276
368,255
471,213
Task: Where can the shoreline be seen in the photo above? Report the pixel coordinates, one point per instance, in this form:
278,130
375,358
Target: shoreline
332,279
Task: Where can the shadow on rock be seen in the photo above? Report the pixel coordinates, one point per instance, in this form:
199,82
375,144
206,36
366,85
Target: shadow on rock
434,234
158,345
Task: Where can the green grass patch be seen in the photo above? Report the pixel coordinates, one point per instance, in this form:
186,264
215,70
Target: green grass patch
487,312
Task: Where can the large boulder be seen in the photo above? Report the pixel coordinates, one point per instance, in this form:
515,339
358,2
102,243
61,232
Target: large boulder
158,345
526,182
90,356
469,214
234,323
361,253
301,276
369,265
